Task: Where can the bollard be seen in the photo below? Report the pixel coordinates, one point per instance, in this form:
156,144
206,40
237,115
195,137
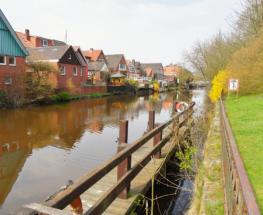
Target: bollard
151,120
125,165
157,138
76,205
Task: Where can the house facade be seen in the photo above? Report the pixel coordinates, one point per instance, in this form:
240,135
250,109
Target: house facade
117,64
71,66
31,41
12,56
98,68
153,70
171,72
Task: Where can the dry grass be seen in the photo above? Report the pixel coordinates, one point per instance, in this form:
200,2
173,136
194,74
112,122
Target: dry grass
209,193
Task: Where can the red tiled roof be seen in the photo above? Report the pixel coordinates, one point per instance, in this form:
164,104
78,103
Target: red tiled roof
92,54
26,43
171,70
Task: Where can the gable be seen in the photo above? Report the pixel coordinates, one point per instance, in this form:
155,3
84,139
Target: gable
70,57
9,42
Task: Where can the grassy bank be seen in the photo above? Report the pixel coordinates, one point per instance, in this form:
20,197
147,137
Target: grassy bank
246,117
209,193
53,99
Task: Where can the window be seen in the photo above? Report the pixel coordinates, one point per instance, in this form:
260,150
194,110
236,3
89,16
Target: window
81,71
2,60
122,67
69,57
44,43
62,70
12,60
8,80
75,71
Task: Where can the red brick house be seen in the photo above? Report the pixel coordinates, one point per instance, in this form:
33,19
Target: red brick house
12,56
31,41
171,72
71,67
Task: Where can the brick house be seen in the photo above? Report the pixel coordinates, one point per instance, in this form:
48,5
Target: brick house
117,64
171,72
31,41
12,56
71,68
98,68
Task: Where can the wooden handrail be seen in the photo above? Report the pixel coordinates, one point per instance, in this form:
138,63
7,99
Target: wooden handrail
244,184
65,197
101,205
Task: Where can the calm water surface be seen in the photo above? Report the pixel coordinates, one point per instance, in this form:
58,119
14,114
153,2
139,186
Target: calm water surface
41,148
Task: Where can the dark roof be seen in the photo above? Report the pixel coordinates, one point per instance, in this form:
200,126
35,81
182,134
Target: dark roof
156,67
13,33
113,60
95,66
81,58
50,53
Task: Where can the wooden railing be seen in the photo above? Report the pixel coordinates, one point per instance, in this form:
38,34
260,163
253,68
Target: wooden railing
239,195
122,161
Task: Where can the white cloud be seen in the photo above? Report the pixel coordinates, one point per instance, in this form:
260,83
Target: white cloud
145,30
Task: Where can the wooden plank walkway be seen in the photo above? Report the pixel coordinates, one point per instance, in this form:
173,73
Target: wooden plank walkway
139,185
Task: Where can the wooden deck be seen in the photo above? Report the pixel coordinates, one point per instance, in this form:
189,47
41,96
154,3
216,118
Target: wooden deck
99,189
139,185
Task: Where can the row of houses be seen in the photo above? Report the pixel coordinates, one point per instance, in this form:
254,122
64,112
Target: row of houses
74,69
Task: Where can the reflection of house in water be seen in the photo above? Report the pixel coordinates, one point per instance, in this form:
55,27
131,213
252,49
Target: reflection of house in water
12,159
61,126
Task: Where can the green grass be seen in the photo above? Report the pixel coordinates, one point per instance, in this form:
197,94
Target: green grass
246,117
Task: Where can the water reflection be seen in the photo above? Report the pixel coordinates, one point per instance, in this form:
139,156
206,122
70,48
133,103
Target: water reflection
43,147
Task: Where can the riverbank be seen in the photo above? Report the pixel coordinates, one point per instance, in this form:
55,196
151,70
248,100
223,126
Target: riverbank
54,99
208,192
246,117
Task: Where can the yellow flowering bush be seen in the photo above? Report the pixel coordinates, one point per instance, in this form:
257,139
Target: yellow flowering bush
218,85
156,86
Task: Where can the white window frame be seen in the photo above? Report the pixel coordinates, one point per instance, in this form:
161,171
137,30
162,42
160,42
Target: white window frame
44,43
8,82
4,60
75,71
122,69
62,70
14,64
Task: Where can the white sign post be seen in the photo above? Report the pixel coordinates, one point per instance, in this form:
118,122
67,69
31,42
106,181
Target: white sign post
233,85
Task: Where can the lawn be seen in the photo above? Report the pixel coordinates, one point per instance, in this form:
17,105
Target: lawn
246,117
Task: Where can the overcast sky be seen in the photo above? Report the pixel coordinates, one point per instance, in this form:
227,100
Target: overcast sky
147,30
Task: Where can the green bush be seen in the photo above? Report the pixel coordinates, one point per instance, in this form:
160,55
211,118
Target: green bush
3,99
62,97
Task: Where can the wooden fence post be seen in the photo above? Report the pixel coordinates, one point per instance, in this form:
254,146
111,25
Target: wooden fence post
125,165
151,120
157,138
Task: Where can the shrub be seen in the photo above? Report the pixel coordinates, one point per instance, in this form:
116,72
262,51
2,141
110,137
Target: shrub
62,97
218,85
3,99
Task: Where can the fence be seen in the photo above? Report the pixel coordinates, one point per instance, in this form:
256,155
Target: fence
122,160
239,195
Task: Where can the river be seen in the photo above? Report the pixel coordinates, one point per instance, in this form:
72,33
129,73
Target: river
41,148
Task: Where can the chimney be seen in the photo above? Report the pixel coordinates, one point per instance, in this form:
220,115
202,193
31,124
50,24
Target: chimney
27,34
91,49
